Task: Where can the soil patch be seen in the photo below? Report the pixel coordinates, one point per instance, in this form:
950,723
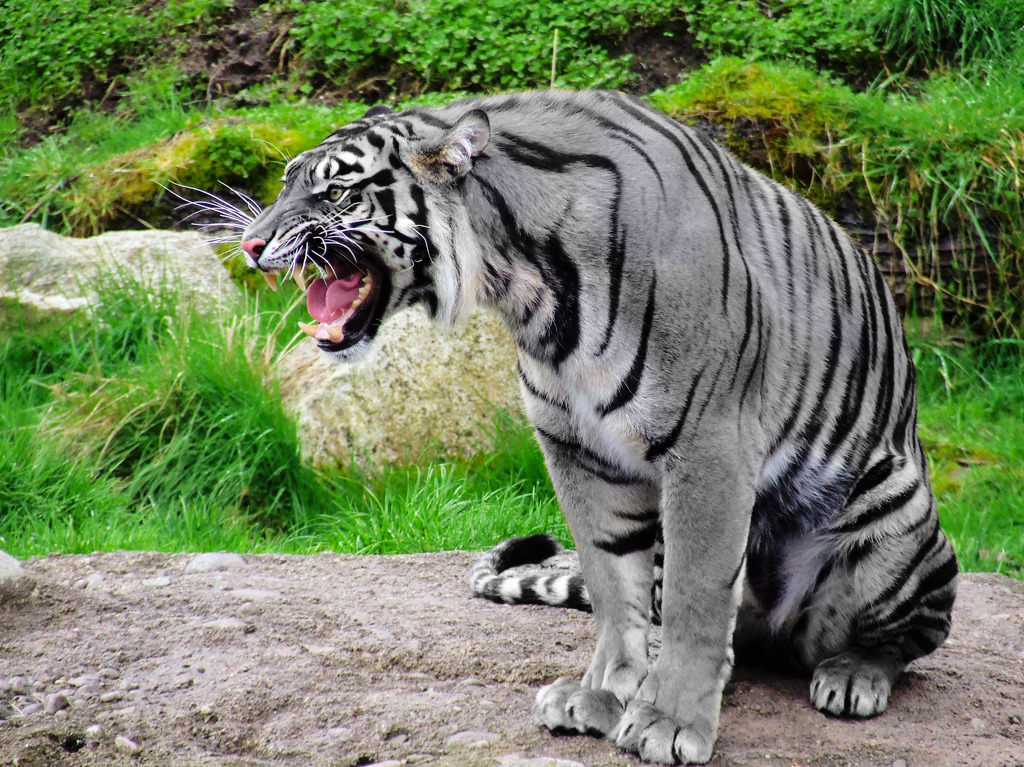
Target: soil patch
129,658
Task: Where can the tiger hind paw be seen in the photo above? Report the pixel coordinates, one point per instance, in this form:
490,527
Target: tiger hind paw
851,684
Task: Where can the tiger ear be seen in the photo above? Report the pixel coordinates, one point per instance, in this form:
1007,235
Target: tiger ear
452,156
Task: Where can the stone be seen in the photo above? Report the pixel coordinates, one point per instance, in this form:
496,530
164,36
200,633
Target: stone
55,702
420,392
514,760
214,561
50,273
127,745
15,583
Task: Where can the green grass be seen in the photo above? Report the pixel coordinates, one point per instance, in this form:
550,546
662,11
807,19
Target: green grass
971,424
147,426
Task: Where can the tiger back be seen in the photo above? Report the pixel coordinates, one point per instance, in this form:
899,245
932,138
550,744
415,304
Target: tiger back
716,375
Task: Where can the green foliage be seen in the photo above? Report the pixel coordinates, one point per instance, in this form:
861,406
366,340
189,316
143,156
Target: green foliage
468,45
971,400
51,47
804,31
924,33
937,169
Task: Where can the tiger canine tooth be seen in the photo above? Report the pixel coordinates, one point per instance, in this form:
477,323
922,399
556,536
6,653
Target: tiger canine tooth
300,278
308,328
335,333
271,279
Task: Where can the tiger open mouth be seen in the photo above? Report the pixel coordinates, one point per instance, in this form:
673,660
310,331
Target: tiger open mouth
344,298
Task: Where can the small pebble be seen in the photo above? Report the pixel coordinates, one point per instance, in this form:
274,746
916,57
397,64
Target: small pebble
514,760
899,763
110,673
90,582
94,731
81,681
214,561
31,708
112,696
18,685
159,581
55,702
127,745
472,739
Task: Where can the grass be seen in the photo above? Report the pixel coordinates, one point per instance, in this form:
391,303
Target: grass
971,401
147,426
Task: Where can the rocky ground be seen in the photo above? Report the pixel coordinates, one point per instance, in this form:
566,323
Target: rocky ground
164,659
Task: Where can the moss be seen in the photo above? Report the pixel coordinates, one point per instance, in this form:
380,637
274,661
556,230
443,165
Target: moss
780,119
142,184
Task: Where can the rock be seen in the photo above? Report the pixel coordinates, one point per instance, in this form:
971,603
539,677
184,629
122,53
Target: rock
214,561
15,583
420,391
93,581
47,272
55,702
159,581
513,760
127,745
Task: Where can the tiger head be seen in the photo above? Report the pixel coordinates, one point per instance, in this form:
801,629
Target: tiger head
368,214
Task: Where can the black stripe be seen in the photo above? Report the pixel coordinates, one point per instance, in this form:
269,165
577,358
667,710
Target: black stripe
899,580
873,477
640,539
936,579
563,332
883,509
630,385
659,447
673,137
537,393
590,461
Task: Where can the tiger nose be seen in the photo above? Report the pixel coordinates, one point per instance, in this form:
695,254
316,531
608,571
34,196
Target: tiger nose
254,248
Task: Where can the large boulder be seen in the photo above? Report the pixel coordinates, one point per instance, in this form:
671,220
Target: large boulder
48,272
422,393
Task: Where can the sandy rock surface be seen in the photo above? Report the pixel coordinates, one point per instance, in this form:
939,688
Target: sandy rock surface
48,272
141,659
403,400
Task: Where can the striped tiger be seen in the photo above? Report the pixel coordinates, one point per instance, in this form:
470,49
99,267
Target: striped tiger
716,374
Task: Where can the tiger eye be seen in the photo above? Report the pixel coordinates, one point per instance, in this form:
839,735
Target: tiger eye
335,193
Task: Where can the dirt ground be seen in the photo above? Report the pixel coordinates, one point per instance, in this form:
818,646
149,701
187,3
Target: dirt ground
131,659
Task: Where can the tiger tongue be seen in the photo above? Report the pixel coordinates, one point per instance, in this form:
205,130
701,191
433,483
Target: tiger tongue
327,300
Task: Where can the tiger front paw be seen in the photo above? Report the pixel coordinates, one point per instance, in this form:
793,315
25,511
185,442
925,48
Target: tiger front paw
656,737
566,707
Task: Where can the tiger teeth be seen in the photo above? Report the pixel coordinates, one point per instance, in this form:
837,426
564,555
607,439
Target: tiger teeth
308,328
335,333
300,278
271,279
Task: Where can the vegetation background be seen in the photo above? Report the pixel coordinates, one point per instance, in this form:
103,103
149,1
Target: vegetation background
904,119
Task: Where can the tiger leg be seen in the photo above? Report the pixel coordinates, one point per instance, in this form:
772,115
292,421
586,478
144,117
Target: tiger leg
888,600
614,520
706,505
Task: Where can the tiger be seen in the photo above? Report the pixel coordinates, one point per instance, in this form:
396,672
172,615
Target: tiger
717,377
